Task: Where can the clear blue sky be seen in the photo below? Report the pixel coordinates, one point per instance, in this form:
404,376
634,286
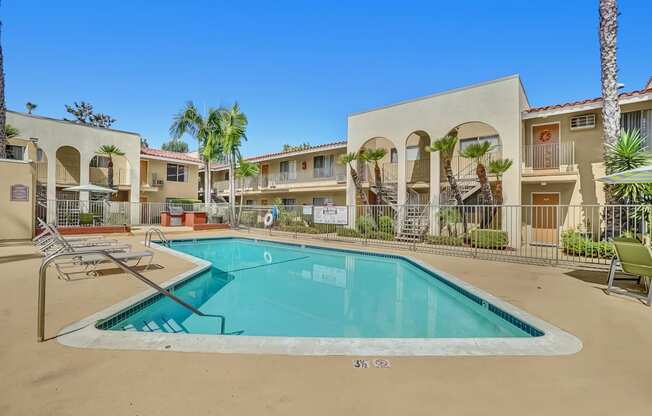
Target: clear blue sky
298,68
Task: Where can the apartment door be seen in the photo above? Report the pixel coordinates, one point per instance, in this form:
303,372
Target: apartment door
545,152
545,226
143,172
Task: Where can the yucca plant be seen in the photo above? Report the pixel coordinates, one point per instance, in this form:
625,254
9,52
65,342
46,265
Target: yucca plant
498,167
110,150
348,159
244,170
372,156
628,152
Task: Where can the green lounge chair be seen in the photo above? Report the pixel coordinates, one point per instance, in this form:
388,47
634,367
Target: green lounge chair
634,258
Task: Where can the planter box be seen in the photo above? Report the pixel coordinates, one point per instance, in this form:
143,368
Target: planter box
192,218
199,227
105,229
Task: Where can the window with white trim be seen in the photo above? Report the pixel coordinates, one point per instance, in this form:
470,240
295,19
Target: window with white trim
15,152
321,201
493,139
585,121
638,120
176,173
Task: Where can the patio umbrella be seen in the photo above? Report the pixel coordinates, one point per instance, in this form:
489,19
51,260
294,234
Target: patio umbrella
638,175
91,188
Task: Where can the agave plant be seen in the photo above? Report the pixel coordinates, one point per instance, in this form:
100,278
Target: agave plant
628,152
348,159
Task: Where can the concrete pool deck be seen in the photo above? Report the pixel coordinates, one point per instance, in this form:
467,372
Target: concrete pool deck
608,376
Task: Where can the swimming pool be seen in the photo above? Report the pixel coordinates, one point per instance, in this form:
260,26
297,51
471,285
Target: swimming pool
275,297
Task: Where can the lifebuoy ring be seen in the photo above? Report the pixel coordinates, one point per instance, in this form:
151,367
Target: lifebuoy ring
269,219
268,257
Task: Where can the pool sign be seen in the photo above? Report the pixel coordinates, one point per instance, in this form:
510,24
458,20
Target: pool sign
330,215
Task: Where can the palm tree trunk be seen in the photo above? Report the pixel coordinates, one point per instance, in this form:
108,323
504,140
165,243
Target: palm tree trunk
241,199
3,108
379,182
358,185
487,197
232,188
207,181
457,194
110,172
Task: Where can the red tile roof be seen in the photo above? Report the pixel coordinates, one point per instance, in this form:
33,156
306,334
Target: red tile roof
167,154
588,101
288,153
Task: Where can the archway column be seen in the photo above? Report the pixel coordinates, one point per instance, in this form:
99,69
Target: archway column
134,181
510,140
401,174
84,176
51,192
435,179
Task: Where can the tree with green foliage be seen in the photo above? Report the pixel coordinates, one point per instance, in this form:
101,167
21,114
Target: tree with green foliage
30,106
244,170
175,145
446,148
233,127
110,150
85,114
498,167
372,156
629,152
11,131
347,160
478,152
206,130
144,144
296,148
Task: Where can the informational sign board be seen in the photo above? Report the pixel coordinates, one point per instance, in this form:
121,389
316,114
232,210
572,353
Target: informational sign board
19,193
330,215
307,210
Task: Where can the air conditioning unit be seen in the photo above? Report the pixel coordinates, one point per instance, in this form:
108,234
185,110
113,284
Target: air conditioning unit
158,182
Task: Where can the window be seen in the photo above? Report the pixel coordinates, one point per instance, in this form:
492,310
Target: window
288,169
40,155
99,162
176,173
393,155
321,201
412,153
249,201
586,121
491,139
289,201
15,152
638,120
323,166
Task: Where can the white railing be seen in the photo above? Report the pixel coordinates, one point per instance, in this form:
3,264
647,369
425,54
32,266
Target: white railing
554,156
66,177
100,176
273,180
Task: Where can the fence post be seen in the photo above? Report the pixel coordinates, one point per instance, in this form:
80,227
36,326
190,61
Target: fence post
557,236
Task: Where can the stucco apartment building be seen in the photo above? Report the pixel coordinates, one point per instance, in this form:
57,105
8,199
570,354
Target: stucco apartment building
63,154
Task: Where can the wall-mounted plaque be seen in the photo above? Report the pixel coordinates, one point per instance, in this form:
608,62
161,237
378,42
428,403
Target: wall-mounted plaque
19,193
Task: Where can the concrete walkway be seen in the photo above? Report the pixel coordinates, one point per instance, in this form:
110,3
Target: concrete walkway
609,376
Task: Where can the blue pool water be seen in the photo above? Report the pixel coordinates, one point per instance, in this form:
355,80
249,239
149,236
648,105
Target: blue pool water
272,289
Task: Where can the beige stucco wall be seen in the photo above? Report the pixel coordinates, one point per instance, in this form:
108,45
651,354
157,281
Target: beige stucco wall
17,216
302,198
171,189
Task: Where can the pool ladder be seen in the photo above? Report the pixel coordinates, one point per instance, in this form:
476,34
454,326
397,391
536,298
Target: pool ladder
159,233
128,269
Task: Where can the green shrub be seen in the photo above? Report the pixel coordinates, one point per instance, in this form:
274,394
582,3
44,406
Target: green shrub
575,244
386,224
365,224
183,201
117,218
444,240
488,238
347,232
299,229
85,218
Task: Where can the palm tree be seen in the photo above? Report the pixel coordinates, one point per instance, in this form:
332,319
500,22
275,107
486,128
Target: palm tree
446,147
372,156
233,126
498,167
3,108
348,159
11,131
110,150
30,107
206,130
477,152
608,71
244,170
628,152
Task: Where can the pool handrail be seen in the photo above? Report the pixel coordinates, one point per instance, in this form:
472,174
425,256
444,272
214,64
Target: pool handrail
159,232
41,286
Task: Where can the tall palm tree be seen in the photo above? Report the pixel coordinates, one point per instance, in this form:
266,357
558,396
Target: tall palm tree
478,152
372,156
446,147
609,71
206,130
233,126
30,106
3,108
110,150
244,170
348,159
498,167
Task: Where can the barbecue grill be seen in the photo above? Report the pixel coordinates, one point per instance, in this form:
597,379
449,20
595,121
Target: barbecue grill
176,216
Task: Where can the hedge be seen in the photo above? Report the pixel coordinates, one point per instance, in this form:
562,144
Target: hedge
444,240
482,238
575,244
299,229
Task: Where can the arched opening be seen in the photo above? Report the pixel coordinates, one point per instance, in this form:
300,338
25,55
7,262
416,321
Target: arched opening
379,174
68,169
464,169
116,177
417,167
41,184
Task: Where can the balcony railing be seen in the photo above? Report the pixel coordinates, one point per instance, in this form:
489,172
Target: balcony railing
100,176
66,177
273,180
554,156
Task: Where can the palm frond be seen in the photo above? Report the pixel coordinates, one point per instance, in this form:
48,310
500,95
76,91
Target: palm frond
445,145
110,150
373,155
246,169
347,158
629,152
499,166
477,150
